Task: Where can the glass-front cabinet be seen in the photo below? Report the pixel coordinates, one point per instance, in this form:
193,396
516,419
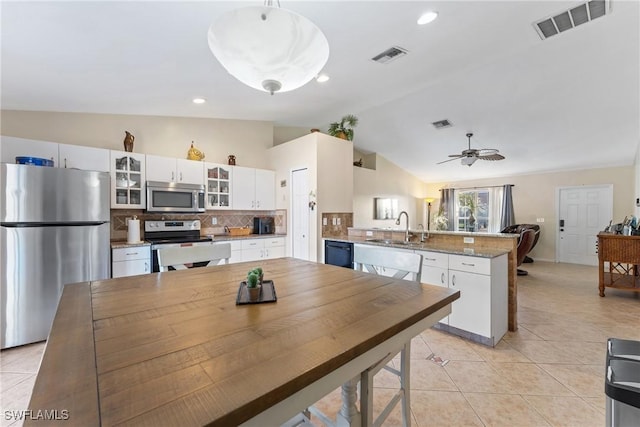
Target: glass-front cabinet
127,180
217,180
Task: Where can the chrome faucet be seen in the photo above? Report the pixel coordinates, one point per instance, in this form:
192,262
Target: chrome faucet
406,232
421,227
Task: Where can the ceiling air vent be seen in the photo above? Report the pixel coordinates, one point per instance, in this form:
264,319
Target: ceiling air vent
571,18
440,124
389,55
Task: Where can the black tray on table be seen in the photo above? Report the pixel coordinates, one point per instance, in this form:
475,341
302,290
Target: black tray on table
267,293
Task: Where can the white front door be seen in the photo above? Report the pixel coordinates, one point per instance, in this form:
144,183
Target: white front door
300,213
583,212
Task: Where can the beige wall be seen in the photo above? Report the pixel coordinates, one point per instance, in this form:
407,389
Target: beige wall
248,140
534,196
335,174
282,134
328,161
387,180
284,159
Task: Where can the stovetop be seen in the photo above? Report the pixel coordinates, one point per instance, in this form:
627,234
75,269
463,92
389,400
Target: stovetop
174,231
186,239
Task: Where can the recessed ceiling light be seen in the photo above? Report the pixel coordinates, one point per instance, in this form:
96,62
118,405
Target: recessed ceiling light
427,17
199,100
321,78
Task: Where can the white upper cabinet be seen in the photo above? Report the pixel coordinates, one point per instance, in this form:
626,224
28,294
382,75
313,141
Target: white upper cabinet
190,171
63,155
13,147
253,189
218,181
80,157
127,180
161,169
265,190
244,188
169,169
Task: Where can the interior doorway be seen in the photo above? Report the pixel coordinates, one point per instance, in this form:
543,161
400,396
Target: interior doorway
583,212
300,213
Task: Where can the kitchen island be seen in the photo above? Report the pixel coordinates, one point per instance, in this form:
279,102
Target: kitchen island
452,242
173,348
481,312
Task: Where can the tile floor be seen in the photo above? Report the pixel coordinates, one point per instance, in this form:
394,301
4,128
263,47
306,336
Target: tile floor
548,373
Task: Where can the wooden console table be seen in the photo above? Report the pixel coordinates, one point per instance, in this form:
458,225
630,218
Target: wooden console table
622,253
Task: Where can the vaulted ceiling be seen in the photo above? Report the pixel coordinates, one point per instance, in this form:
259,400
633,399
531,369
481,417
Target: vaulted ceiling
571,101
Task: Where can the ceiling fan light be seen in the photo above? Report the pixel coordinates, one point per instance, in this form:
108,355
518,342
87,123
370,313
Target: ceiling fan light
260,45
468,160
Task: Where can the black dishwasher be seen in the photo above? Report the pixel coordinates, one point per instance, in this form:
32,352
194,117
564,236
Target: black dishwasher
338,253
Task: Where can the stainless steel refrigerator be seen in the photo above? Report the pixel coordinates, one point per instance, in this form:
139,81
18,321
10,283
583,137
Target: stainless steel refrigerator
55,231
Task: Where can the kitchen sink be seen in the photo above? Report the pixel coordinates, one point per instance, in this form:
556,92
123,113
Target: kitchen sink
392,242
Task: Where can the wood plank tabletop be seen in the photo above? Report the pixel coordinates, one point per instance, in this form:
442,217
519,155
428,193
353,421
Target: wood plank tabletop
173,348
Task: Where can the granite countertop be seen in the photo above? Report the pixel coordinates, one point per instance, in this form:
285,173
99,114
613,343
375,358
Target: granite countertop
116,244
426,246
226,237
452,233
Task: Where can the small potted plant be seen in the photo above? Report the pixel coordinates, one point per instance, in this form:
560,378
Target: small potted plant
258,272
344,128
253,286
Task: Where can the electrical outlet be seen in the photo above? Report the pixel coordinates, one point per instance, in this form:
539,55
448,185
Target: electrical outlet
214,221
324,220
339,221
539,219
369,233
469,240
334,221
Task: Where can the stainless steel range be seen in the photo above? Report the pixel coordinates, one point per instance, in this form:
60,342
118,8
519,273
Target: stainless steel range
164,234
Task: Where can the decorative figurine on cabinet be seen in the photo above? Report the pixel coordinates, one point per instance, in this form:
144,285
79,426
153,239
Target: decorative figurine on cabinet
128,141
194,153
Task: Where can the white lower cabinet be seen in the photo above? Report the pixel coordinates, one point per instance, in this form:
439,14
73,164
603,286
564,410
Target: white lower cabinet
480,313
236,252
130,261
435,271
274,247
472,312
266,248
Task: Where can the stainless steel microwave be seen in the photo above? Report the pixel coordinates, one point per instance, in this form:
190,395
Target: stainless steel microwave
174,197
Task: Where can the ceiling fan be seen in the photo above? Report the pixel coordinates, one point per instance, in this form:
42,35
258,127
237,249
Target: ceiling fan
470,155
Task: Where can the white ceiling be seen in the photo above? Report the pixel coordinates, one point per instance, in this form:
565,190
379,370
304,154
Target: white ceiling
569,102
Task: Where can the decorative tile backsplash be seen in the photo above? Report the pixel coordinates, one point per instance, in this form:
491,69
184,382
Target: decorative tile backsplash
224,218
337,223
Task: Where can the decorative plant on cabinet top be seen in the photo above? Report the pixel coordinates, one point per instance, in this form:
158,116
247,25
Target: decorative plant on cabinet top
344,128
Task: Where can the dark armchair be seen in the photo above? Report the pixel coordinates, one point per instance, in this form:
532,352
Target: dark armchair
526,241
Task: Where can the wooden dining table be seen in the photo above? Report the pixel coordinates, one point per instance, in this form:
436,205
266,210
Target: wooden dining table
173,348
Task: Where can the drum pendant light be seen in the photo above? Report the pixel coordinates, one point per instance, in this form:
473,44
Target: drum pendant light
269,48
